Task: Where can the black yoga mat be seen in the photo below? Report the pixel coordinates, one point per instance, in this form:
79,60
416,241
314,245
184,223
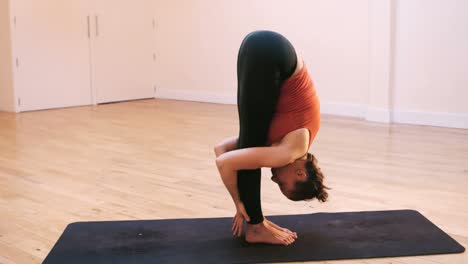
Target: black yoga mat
322,236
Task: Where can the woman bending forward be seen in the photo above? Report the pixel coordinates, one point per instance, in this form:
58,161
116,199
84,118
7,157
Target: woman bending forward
279,117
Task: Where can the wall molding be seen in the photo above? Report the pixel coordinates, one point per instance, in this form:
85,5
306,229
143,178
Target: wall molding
376,114
190,95
340,109
343,109
452,120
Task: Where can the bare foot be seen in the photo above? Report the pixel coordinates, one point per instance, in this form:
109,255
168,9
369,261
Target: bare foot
266,233
268,222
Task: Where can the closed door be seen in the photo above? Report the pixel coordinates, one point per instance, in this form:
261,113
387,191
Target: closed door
122,50
52,46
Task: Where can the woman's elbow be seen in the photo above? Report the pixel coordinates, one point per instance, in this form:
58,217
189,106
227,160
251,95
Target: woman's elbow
218,150
219,162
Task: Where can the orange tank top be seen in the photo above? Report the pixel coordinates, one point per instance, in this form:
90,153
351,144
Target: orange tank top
298,107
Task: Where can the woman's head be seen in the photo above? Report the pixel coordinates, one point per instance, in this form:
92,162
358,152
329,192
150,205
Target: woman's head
301,180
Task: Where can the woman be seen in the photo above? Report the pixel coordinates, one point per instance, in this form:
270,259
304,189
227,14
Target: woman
279,116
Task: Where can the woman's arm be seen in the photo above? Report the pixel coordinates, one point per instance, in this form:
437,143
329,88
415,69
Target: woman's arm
230,162
229,178
287,151
257,157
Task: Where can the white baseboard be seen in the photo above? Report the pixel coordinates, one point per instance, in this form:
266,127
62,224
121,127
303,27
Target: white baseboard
340,109
188,95
458,120
375,114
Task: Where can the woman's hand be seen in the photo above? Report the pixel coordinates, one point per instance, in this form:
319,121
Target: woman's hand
238,221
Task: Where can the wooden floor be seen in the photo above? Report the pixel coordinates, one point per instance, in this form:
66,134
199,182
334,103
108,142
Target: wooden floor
153,159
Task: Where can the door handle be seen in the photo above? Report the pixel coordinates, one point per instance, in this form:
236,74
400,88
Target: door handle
89,27
96,18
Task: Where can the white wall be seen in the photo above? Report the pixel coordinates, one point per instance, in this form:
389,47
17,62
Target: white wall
400,60
431,62
198,41
6,77
383,60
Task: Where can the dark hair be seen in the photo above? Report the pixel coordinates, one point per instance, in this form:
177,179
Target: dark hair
313,187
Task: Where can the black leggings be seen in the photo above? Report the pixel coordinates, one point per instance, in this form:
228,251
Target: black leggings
265,60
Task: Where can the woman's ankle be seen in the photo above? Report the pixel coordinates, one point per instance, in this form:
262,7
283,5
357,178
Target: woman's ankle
256,223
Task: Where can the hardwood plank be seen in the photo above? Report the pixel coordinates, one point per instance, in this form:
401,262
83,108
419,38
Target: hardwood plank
153,159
